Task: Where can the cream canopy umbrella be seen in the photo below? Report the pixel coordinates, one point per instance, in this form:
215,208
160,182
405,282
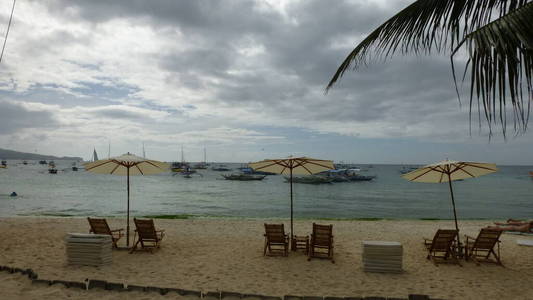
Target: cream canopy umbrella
448,171
126,165
293,165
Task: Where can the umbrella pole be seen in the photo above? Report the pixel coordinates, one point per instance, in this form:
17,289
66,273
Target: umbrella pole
128,213
454,212
292,246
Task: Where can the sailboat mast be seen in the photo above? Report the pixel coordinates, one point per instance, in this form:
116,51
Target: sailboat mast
182,157
144,153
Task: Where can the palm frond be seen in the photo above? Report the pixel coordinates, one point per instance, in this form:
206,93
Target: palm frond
501,64
426,25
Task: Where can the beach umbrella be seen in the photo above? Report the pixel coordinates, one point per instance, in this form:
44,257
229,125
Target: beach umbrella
126,165
448,171
293,165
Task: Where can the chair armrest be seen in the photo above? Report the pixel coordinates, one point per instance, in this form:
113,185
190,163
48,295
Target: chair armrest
120,229
160,230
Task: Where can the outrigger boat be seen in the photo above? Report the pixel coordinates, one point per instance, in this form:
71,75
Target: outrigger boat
221,168
310,179
244,177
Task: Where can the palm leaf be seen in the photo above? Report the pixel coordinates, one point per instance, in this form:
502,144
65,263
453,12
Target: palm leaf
425,25
501,63
444,26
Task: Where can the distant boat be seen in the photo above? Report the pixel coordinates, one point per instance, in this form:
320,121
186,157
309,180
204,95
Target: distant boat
343,175
406,170
4,163
74,167
24,162
221,168
248,170
310,179
244,177
181,167
52,167
95,155
201,165
42,162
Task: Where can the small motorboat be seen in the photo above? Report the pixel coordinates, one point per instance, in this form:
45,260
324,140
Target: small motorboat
310,179
244,177
221,168
52,171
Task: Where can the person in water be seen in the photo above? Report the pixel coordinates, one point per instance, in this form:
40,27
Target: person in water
13,194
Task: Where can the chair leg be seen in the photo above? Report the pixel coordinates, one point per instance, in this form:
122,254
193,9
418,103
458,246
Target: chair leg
265,248
134,247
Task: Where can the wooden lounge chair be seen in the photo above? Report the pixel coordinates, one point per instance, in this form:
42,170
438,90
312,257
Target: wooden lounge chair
321,243
276,241
441,249
146,235
99,226
481,248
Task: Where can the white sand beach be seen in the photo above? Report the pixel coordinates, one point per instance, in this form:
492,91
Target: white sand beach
227,255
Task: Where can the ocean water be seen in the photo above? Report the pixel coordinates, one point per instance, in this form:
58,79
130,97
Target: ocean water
507,193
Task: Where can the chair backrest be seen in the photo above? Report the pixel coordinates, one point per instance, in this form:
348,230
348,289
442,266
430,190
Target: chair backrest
486,239
275,233
145,229
99,226
443,240
322,235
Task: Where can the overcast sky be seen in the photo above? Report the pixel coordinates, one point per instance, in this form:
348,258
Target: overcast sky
243,79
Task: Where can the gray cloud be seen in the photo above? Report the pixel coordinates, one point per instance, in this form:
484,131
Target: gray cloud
14,117
230,64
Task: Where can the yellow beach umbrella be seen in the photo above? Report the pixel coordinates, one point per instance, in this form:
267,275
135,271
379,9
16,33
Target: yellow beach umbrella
448,171
126,165
293,165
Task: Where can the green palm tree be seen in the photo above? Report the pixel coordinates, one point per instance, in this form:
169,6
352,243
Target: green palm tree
496,35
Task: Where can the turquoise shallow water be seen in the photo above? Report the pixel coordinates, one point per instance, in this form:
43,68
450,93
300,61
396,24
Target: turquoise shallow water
507,193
